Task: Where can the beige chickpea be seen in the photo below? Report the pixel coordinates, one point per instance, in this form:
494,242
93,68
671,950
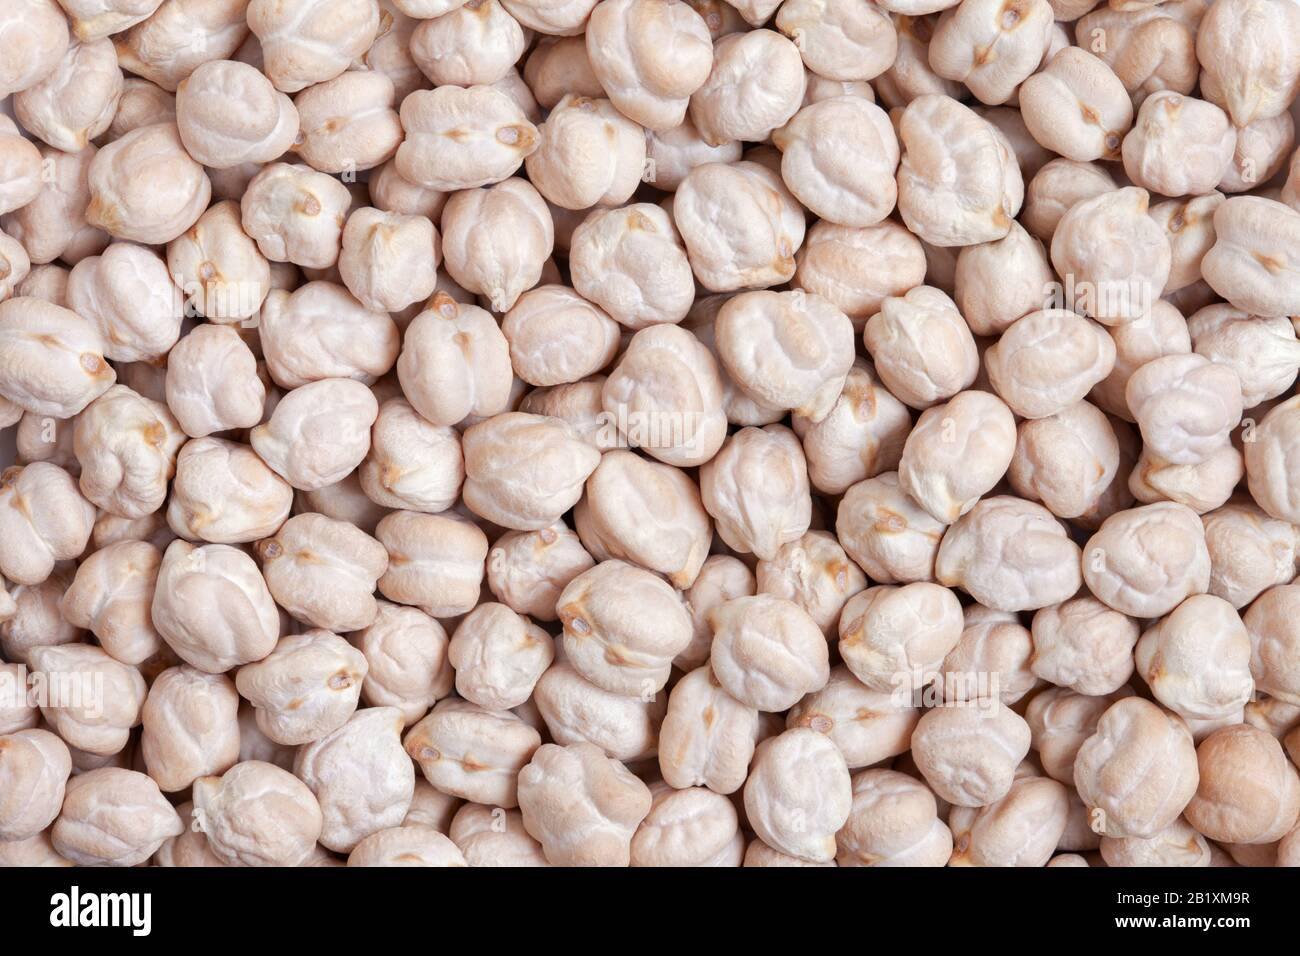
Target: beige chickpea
219,267
434,561
1009,555
1176,845
576,710
348,123
991,47
610,637
721,577
111,597
559,65
1252,263
408,845
1137,772
649,57
867,725
707,737
811,162
895,638
756,84
1270,621
1020,829
556,336
344,500
1263,351
191,727
462,138
756,490
1249,59
579,405
1248,791
34,620
1060,721
1048,361
126,445
799,794
1269,460
142,102
665,396
892,538
494,836
1249,551
645,512
861,436
589,155
1066,460
910,75
505,459
957,452
212,607
311,41
17,710
767,652
1179,146
320,331
1001,281
672,153
296,214
39,37
1202,487
495,240
432,808
318,432
256,814
759,853
1077,107
1196,660
498,656
1189,226
1143,562
190,848
323,571
412,464
212,382
408,666
815,573
46,520
922,375
113,817
527,570
471,752
75,102
34,769
740,224
692,827
360,776
41,438
631,262
582,806
53,224
20,168
228,113
1113,258
224,493
474,43
127,294
145,187
389,261
1083,645
305,688
392,192
968,753
52,360
839,40
1160,332
1055,188
1262,150
93,700
786,350
181,35
1150,48
893,822
856,269
958,181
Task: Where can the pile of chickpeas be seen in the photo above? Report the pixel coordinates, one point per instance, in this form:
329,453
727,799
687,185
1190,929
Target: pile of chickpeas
649,432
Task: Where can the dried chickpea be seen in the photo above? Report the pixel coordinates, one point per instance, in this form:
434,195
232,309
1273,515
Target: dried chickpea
34,620
43,520
767,652
191,727
1270,621
1252,263
111,596
434,561
348,123
589,154
896,638
755,85
1249,59
407,661
471,43
1066,460
1263,351
799,795
471,752
968,753
145,187
867,725
493,836
127,446
576,710
311,41
756,490
1196,660
51,359
408,845
1248,791
527,570
891,537
75,102
893,822
34,770
228,113
1145,561
219,267
94,701
318,433
1083,645
1249,551
498,656
1176,845
113,817
320,331
306,688
922,375
256,814
462,138
691,827
495,240
224,493
295,214
1020,829
1077,107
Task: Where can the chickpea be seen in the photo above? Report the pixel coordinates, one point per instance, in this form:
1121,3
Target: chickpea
127,294
816,574
113,817
1171,125
505,459
191,727
93,700
527,570
1020,829
306,688
295,214
740,224
434,561
1060,721
111,596
840,41
767,652
496,240
867,725
348,123
991,47
228,113
34,768
692,827
1251,263
1143,562
17,711
53,224
975,204
51,359
1248,58
893,822
180,36
968,753
991,659
1160,332
470,44
145,187
922,377
707,737
75,102
212,382
33,619
462,138
256,814
127,447
1077,107
556,336
1199,670
493,836
1249,551
219,267
1189,226
1248,791
408,666
1150,48
43,520
311,41
320,332
887,533
799,795
1066,460
471,752
224,493
407,846
1176,845
498,656
1084,645
895,638
1273,637
576,710
756,490
756,85
318,432
1262,351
